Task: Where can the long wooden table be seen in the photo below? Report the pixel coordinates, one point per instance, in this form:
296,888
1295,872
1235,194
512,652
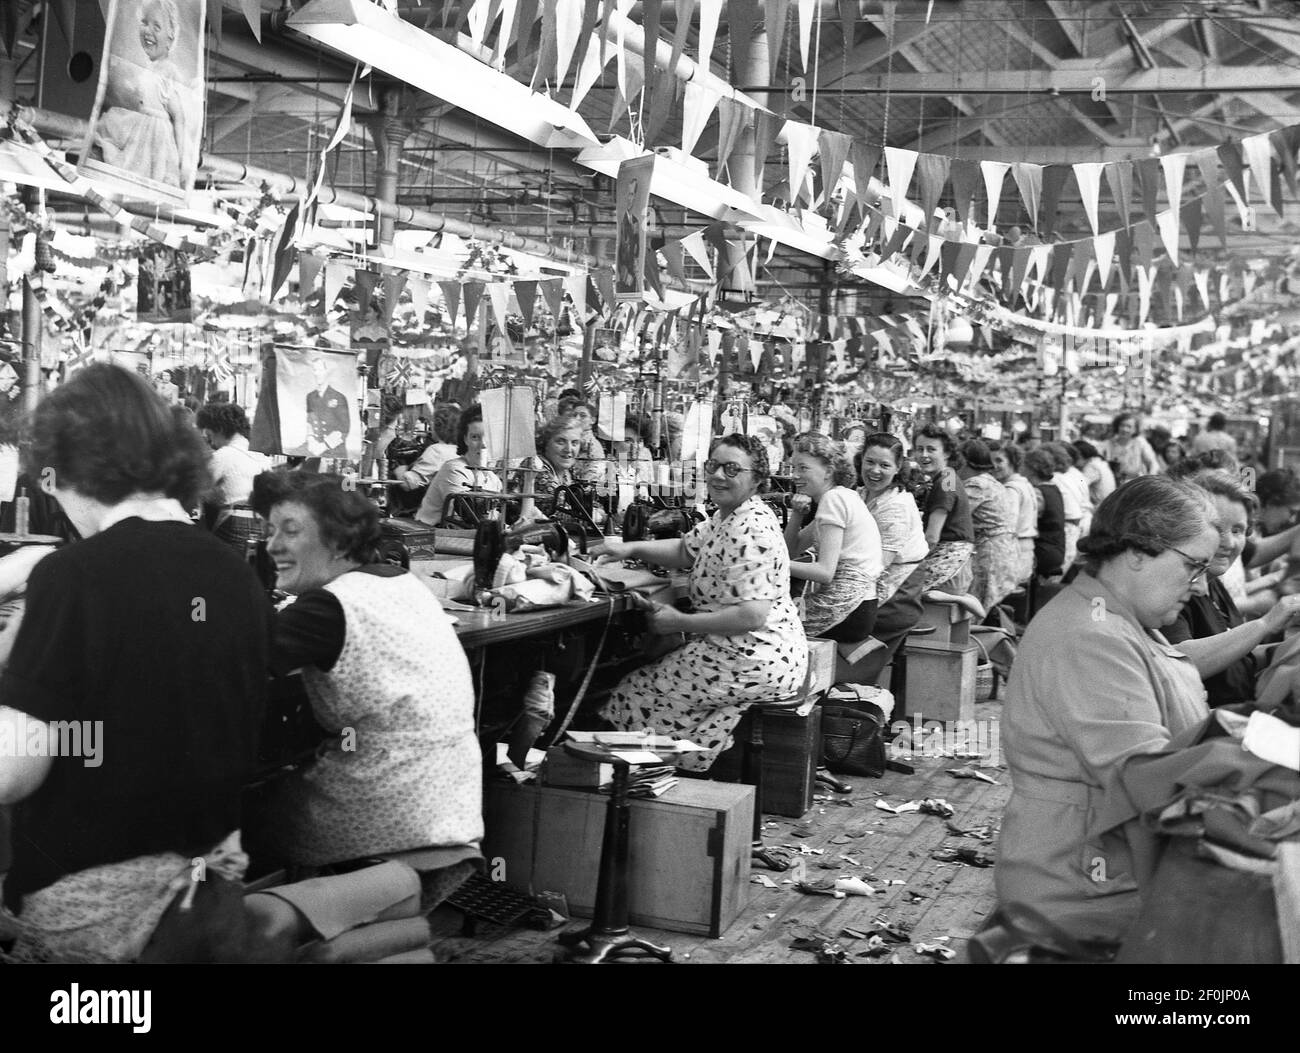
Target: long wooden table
481,628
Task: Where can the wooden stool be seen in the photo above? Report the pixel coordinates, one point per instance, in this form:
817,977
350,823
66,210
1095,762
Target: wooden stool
608,935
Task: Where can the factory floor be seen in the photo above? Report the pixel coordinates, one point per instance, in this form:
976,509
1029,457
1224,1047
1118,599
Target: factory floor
932,903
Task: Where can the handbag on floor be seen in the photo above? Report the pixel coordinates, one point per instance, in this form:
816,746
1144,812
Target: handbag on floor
853,739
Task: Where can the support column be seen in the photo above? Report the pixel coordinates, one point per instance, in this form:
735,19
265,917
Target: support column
389,132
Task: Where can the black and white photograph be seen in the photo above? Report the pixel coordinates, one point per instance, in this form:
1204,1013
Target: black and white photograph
147,124
493,587
318,393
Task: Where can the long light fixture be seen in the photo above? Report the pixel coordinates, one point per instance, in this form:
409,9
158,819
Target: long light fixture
370,34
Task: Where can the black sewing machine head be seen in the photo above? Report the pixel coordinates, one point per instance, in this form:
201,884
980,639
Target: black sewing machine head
492,540
641,522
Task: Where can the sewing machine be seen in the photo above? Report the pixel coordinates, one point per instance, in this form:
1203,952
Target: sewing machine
492,540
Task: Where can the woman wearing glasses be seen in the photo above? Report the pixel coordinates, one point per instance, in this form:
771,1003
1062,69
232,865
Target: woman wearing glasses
1209,629
743,642
1094,684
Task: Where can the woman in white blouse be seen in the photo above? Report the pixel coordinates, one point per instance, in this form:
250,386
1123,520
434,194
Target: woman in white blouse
468,471
848,556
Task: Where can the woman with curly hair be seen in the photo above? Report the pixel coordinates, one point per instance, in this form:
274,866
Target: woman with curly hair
743,642
840,602
385,675
948,528
154,632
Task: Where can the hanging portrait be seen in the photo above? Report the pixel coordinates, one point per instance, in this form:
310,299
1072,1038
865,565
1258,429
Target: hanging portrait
147,122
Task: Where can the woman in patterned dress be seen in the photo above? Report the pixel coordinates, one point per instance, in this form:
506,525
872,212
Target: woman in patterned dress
385,675
744,643
840,599
993,515
948,529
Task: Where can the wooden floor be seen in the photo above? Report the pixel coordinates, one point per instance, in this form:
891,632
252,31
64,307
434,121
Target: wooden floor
939,903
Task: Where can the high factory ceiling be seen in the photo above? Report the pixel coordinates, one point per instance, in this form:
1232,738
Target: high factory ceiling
1053,81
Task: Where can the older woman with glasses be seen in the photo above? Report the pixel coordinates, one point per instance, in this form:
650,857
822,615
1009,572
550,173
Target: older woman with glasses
743,642
1094,684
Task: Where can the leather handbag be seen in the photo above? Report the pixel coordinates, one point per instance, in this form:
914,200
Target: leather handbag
853,739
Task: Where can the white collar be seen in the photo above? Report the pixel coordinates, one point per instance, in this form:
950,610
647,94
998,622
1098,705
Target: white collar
152,508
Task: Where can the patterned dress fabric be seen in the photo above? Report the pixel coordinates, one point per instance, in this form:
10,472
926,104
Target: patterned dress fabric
996,566
412,777
700,691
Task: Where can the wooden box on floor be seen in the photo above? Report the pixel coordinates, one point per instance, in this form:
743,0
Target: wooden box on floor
792,750
688,863
951,623
941,681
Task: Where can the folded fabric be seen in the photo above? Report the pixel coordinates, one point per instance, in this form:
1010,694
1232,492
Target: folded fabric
369,943
333,905
424,956
1272,740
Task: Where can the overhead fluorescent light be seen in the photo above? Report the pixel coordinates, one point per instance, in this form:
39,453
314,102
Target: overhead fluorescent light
371,35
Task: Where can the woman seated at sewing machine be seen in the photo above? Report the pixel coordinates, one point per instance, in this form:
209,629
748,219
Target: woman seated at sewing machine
550,469
841,604
385,675
743,643
467,471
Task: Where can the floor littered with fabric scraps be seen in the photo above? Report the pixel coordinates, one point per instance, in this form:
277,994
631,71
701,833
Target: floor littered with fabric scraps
914,885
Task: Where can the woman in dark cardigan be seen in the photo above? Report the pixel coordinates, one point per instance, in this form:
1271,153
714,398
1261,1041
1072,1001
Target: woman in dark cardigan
1049,546
151,639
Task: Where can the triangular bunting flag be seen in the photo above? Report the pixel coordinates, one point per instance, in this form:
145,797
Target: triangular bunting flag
833,150
684,13
866,159
1029,180
931,176
526,294
472,294
732,116
1088,175
419,297
1061,256
994,173
709,12
801,141
589,70
364,283
1201,278
774,19
1144,294
808,10
674,259
1103,249
899,163
697,105
394,283
309,268
1119,177
498,297
1258,152
552,290
981,261
1054,177
932,254
1285,141
1167,224
335,275
451,299
1174,166
1150,175
1230,157
252,10
568,23
1144,240
1191,219
741,19
694,245
766,127
965,177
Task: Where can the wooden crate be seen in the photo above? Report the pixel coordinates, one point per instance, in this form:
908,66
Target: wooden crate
951,623
688,855
941,681
792,749
821,666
